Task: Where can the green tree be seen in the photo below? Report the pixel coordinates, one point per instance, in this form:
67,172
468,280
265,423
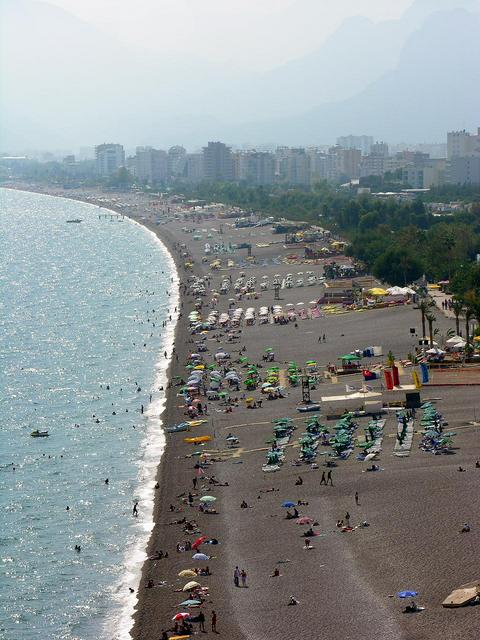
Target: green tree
398,266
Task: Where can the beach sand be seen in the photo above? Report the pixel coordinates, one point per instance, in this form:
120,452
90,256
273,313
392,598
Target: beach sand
344,585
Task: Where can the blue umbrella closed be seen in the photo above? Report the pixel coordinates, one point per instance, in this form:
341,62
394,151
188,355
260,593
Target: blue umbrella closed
288,504
189,603
407,594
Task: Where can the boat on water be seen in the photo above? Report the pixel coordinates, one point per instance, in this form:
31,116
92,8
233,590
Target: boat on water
39,434
76,220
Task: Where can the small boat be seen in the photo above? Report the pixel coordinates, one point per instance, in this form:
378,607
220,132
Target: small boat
308,408
198,439
183,426
39,434
76,221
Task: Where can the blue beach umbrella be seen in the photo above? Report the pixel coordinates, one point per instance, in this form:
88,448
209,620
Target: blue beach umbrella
189,603
288,504
407,594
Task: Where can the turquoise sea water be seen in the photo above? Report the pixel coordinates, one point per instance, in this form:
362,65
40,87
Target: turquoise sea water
78,306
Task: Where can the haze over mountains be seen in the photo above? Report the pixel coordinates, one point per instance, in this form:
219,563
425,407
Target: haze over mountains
65,84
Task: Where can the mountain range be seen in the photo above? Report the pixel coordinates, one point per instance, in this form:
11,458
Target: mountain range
64,83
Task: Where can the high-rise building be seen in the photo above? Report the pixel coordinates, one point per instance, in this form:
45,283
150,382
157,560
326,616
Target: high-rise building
379,149
260,168
194,167
151,165
461,144
176,161
217,162
372,165
109,158
363,143
294,166
464,170
349,162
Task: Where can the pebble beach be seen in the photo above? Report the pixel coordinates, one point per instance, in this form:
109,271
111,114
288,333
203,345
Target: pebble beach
346,584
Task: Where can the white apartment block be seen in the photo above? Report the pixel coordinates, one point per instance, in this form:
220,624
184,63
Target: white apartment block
109,157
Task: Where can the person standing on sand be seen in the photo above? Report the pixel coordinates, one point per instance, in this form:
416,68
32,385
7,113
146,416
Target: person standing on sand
243,575
214,622
236,577
194,482
356,498
201,620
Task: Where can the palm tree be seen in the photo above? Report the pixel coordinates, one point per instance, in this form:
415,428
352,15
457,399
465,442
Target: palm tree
468,317
457,308
430,318
424,307
472,310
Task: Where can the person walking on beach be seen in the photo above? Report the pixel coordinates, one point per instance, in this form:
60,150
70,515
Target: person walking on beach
329,478
236,577
214,622
135,510
243,575
201,620
347,519
194,482
323,480
356,498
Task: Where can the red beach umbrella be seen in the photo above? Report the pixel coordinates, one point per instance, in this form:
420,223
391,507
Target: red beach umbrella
199,541
180,616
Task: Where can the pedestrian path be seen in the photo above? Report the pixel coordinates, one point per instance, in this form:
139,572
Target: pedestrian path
438,297
402,450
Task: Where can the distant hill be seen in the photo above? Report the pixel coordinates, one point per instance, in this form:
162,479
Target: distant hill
64,83
434,87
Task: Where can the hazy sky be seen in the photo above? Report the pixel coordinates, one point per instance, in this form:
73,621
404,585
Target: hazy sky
258,33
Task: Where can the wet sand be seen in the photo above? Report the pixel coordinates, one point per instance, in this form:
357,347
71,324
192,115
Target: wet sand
415,506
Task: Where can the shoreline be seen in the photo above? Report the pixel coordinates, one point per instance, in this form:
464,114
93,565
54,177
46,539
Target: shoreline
128,610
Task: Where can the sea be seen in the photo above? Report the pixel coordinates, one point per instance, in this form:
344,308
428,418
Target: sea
83,347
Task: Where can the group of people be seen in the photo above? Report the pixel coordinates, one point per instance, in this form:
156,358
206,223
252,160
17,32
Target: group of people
239,576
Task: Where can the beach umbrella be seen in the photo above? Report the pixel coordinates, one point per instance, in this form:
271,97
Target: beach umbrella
189,603
304,520
407,594
200,556
180,616
207,499
187,573
191,585
288,504
199,541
